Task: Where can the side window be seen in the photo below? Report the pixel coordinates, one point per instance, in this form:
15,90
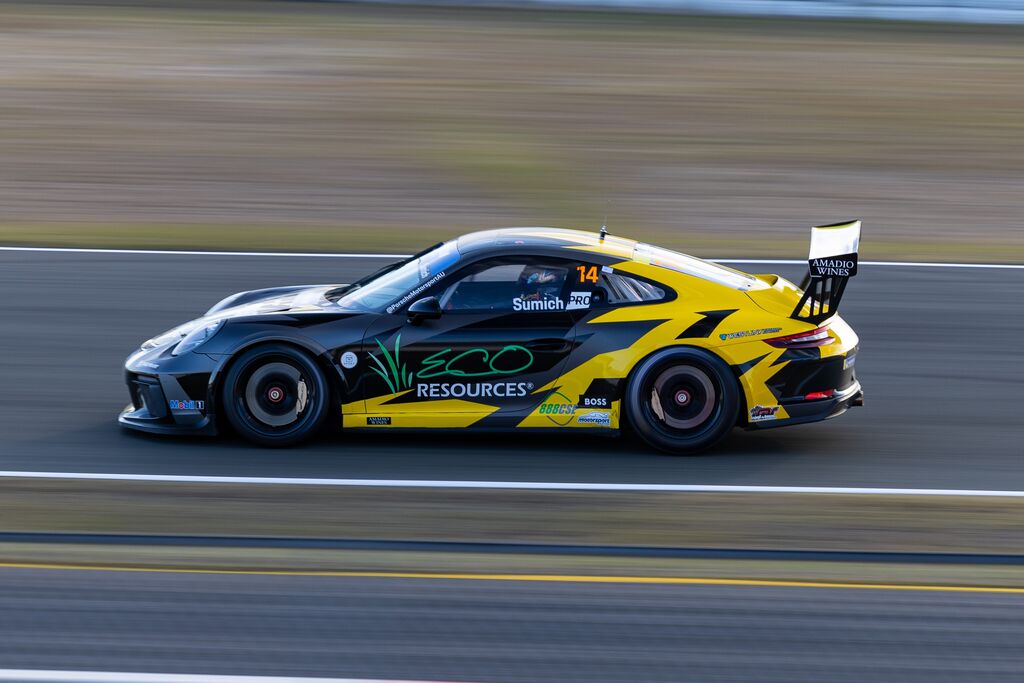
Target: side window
623,289
522,286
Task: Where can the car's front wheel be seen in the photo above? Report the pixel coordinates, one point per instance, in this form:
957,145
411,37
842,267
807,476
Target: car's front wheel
275,395
682,400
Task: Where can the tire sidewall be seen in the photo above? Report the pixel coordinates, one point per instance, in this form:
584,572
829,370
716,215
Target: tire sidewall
234,387
718,425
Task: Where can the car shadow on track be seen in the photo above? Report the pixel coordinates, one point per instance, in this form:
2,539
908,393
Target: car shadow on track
449,446
759,457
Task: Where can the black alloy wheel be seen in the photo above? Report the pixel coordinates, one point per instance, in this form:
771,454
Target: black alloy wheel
682,400
275,395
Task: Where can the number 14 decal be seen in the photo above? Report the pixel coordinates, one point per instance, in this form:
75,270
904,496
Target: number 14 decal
587,273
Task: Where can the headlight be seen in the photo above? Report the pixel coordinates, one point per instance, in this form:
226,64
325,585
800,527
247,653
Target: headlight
196,337
169,337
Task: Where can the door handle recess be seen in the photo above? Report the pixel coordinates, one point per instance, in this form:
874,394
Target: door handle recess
548,345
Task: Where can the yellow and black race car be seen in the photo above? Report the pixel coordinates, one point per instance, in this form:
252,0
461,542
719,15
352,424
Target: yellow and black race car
516,329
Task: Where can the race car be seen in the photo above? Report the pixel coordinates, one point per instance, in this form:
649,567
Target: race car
516,329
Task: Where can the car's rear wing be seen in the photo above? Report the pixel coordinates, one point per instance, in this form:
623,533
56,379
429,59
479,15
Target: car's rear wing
831,263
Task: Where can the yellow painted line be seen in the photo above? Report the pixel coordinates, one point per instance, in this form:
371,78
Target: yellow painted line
547,578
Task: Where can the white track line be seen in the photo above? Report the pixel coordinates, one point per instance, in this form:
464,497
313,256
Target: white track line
41,676
172,252
900,264
512,485
286,254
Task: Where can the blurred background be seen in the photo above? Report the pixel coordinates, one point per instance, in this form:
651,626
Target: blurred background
723,128
340,126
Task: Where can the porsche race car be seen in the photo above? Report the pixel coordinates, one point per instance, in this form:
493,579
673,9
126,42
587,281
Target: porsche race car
516,329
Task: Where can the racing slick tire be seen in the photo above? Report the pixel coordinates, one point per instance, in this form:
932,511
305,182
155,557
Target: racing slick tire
682,400
275,395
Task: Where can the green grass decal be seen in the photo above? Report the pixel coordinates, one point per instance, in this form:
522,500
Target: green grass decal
396,374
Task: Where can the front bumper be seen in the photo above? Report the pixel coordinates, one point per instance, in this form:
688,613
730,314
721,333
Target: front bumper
169,394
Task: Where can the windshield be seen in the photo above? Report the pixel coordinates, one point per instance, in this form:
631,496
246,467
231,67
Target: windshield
706,270
400,286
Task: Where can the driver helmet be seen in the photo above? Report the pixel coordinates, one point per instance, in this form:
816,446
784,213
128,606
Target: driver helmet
538,283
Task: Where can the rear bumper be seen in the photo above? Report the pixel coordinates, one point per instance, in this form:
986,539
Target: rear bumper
802,412
811,384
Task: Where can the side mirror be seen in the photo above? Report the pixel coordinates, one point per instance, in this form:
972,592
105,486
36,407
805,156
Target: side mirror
424,309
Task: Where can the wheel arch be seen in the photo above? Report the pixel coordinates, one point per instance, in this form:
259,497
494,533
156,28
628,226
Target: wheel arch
320,356
678,347
624,402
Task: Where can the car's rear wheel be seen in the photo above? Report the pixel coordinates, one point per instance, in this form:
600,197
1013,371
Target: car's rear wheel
275,395
682,401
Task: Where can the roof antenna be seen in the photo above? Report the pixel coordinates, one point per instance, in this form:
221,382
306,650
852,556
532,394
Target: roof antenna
604,226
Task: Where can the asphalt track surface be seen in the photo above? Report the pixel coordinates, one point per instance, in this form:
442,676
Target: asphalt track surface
497,631
941,362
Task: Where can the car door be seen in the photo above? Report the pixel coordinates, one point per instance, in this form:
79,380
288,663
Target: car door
613,312
502,335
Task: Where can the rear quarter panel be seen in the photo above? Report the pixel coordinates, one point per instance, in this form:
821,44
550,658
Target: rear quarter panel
704,315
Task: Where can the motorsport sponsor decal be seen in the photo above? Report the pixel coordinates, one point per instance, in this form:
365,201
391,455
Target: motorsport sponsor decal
558,408
538,305
849,361
598,419
378,420
418,290
841,266
473,389
395,374
749,333
475,362
349,360
186,405
577,301
600,393
763,413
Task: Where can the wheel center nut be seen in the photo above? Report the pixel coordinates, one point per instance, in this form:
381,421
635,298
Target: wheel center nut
682,397
275,394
